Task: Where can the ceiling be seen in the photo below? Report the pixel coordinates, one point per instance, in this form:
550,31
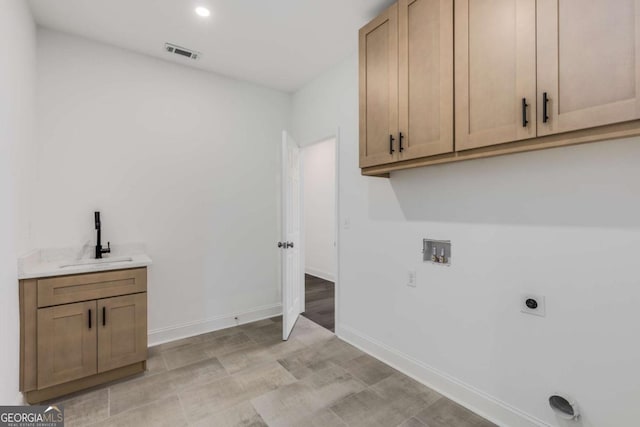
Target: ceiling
281,44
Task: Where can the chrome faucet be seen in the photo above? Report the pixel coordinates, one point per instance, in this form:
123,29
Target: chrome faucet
99,249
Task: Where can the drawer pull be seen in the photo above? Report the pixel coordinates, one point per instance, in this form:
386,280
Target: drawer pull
525,122
391,139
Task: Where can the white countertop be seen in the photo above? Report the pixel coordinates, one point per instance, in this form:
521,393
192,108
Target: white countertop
67,261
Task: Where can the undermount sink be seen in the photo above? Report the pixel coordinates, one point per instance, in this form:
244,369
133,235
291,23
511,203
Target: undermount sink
96,262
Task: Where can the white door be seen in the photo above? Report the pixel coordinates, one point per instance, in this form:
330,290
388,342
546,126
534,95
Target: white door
292,271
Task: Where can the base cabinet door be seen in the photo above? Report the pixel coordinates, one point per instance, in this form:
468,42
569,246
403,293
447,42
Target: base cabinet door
425,78
495,72
588,63
122,331
67,343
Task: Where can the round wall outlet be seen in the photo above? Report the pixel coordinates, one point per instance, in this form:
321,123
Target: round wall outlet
532,304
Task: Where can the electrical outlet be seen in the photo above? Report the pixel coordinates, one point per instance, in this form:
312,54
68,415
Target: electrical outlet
411,278
533,304
347,223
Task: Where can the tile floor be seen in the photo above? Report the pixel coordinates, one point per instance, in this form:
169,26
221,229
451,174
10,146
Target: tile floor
247,376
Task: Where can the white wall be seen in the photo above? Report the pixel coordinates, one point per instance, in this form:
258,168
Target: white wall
564,223
320,208
17,145
180,159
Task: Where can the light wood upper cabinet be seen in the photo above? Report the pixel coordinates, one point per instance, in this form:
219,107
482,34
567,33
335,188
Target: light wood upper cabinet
122,331
66,343
495,45
588,63
406,83
425,78
527,75
378,42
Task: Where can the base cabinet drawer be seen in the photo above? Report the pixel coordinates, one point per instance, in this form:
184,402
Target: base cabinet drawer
92,286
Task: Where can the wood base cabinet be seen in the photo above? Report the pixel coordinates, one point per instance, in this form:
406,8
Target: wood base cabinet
78,344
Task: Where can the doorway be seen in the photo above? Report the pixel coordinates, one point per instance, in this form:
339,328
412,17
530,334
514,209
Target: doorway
319,213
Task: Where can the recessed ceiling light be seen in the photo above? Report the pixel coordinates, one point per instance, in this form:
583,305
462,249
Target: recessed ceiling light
203,11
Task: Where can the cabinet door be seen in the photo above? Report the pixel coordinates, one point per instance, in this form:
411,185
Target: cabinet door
379,89
122,331
495,69
588,63
66,343
425,77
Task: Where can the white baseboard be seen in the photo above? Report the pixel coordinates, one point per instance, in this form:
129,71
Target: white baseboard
186,330
319,273
481,403
19,400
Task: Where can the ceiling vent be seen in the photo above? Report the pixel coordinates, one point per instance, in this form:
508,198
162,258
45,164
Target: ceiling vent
182,51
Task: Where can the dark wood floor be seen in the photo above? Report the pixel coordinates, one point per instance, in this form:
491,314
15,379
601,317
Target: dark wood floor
320,301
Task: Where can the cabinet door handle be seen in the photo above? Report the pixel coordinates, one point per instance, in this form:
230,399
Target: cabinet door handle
525,122
391,139
400,147
90,316
545,102
104,316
